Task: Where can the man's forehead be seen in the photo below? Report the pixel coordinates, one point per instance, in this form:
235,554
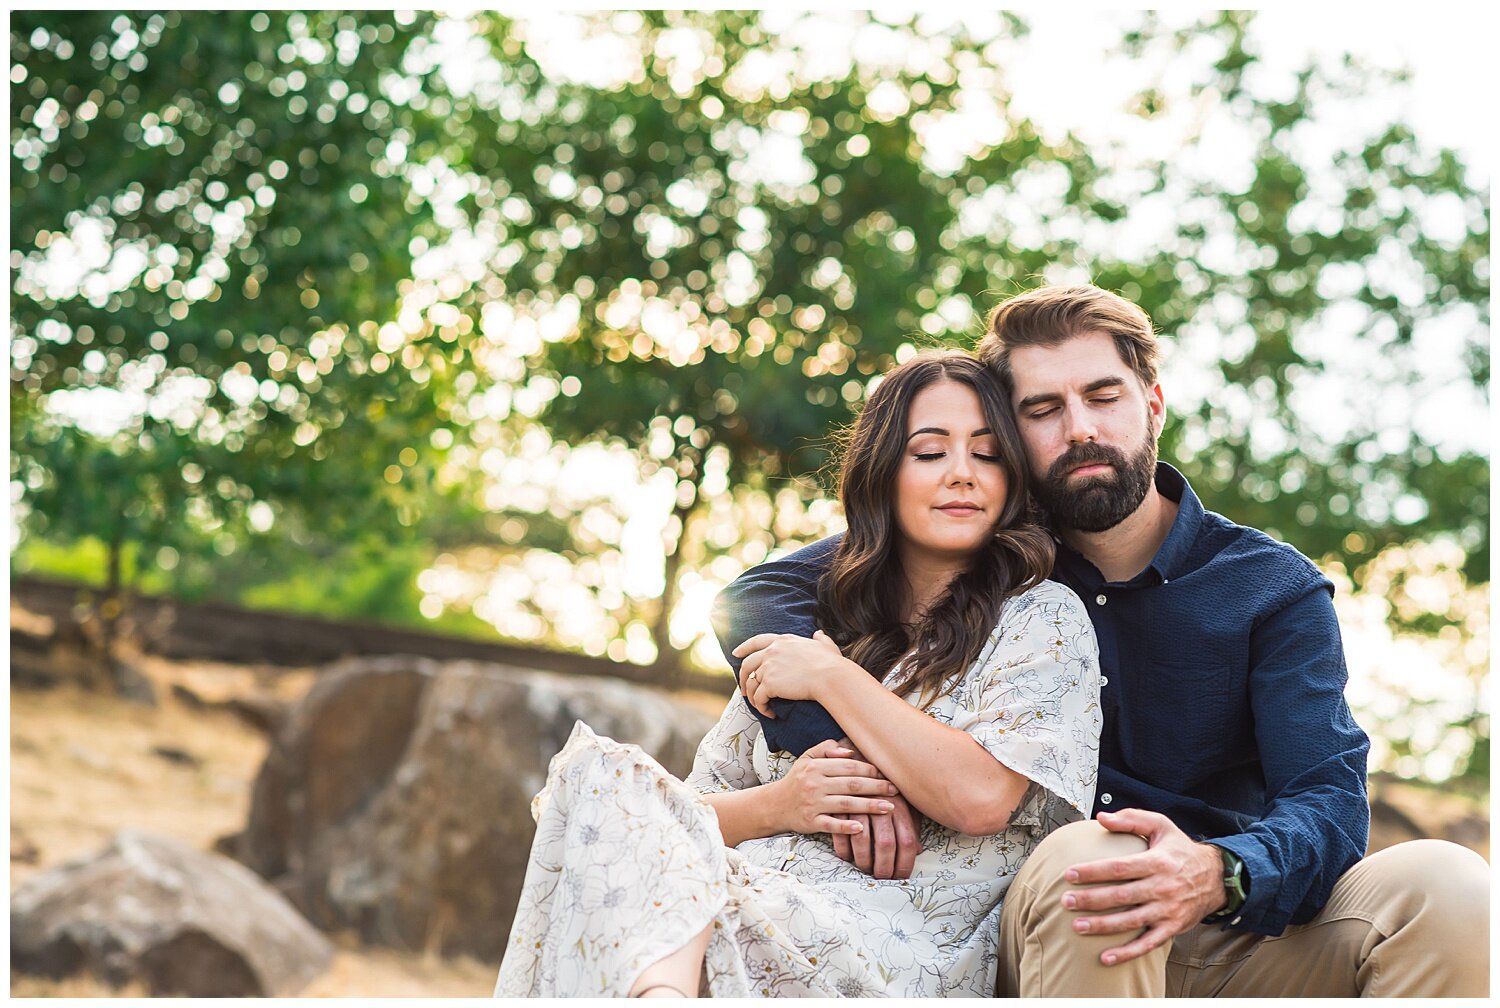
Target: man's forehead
1080,360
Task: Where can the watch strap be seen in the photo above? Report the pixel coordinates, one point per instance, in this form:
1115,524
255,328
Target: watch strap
1234,885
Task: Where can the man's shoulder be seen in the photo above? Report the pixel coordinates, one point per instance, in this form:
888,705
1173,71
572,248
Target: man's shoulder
797,573
1255,556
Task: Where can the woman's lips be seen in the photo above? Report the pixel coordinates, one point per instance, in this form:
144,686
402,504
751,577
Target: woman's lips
960,510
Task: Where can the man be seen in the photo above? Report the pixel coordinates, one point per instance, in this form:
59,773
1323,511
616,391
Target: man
1231,813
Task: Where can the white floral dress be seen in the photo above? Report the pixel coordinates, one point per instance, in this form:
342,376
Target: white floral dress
628,863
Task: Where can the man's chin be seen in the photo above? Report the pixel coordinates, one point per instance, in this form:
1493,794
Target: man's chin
1094,525
1087,516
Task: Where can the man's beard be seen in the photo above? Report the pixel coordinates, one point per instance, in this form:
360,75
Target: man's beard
1098,502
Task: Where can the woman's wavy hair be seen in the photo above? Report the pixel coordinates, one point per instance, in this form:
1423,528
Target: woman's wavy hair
864,595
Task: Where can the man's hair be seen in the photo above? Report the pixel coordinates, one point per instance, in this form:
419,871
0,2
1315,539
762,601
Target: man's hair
1047,316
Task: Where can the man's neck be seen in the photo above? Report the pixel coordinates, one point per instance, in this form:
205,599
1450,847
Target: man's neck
1122,552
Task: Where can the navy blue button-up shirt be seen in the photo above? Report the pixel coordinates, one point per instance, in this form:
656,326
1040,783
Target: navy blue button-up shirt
1223,697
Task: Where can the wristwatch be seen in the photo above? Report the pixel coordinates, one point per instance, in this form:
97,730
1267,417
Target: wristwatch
1235,885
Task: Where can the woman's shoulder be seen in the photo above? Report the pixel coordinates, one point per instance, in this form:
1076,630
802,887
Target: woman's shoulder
1045,594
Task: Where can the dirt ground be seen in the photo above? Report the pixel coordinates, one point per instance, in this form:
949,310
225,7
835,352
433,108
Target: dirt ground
84,765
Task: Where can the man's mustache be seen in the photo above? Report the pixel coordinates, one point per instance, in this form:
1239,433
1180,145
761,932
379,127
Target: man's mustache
1085,453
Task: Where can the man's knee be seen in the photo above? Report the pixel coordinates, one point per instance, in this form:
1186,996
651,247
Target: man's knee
1074,844
1435,874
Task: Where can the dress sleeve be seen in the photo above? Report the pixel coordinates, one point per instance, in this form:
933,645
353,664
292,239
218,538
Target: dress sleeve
1032,700
724,761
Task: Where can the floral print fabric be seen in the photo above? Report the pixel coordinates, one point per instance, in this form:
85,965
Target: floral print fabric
628,863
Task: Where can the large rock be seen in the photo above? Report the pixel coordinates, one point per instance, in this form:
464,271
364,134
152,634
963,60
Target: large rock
180,921
395,800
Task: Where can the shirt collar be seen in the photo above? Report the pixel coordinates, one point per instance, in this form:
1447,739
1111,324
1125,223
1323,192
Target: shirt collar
1171,559
1172,556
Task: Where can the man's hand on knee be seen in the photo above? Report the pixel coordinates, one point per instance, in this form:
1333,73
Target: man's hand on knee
1155,895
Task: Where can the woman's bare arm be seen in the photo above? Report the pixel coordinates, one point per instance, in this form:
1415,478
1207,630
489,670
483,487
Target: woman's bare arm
942,771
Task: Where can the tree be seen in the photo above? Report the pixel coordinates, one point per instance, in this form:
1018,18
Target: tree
1367,264
710,300
212,227
723,314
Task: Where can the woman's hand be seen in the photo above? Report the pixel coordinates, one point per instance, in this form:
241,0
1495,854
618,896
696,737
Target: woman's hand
789,667
826,781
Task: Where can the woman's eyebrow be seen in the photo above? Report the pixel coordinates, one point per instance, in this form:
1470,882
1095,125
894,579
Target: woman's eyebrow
943,431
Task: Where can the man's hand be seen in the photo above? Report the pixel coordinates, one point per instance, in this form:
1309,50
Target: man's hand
887,845
1165,891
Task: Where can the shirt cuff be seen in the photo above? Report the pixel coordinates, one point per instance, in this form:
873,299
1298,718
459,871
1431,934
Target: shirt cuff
1261,882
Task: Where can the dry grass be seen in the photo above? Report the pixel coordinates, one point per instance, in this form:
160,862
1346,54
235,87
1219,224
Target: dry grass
82,767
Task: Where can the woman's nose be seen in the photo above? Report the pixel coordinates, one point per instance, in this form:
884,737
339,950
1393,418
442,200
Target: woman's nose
961,469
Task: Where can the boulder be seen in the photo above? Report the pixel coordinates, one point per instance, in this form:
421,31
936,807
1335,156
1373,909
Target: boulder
395,799
180,921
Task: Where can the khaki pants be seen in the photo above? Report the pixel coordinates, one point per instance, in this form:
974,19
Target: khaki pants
1408,921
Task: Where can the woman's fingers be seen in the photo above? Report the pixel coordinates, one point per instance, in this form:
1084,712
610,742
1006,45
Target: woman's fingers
851,804
754,644
841,829
756,695
858,786
833,766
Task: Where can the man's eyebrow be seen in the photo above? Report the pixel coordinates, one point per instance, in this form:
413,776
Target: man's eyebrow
1093,386
944,432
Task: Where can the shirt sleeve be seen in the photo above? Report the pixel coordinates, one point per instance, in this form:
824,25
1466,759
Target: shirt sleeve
725,757
779,597
1316,824
1033,703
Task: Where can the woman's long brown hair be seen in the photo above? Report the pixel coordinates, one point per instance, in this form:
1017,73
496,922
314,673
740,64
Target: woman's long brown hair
864,596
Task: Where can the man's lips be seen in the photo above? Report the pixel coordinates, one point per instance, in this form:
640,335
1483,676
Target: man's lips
1090,469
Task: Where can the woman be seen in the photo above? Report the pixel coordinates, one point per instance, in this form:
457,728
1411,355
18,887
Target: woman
980,704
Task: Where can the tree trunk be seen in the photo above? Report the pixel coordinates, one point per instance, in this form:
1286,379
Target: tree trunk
119,675
111,605
667,658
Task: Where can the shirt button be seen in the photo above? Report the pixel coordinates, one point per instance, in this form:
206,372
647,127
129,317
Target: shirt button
1106,798
1100,598
1236,920
1104,680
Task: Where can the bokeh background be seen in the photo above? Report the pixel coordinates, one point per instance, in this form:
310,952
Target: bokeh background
531,328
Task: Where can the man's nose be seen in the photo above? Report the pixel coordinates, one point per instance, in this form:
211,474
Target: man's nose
1080,426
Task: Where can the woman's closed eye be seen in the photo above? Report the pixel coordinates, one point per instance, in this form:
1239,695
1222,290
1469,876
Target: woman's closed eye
934,456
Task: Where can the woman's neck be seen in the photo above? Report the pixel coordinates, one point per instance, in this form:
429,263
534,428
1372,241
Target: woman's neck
927,578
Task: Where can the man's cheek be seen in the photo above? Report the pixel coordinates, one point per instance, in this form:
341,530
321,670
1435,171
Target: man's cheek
1037,456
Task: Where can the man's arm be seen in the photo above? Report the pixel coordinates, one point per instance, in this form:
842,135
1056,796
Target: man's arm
779,597
1315,826
1313,755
